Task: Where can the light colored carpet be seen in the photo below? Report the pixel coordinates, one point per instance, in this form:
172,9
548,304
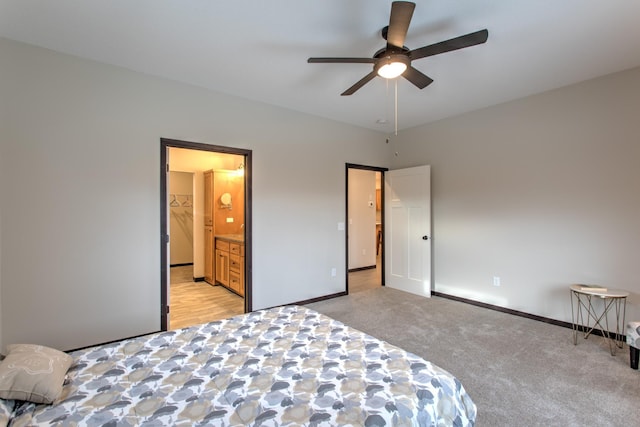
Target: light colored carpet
518,371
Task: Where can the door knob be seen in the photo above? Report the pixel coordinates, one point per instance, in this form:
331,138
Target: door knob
425,237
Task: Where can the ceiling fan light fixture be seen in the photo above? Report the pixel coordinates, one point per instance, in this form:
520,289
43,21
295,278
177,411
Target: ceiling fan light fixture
392,70
392,66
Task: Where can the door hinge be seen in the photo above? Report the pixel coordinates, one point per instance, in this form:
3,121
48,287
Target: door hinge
168,309
165,238
167,167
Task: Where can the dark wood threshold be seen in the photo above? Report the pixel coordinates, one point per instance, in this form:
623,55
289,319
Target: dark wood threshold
323,298
181,265
369,267
308,301
569,325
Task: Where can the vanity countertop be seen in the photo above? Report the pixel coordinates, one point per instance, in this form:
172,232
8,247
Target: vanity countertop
235,238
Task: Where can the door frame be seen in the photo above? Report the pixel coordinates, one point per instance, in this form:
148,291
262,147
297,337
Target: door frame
165,144
346,215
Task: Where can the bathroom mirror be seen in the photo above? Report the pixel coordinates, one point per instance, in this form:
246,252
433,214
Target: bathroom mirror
225,200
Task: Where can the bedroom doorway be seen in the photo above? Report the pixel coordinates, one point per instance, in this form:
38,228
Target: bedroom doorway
364,228
200,183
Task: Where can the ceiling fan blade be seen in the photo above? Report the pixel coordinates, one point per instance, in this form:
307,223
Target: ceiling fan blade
467,40
363,81
342,60
401,13
417,78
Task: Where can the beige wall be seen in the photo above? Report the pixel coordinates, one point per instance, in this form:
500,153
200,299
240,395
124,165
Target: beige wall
83,137
542,192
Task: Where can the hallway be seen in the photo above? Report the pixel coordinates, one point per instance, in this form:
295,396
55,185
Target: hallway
363,280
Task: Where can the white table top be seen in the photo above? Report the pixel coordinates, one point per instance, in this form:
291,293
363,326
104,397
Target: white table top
609,293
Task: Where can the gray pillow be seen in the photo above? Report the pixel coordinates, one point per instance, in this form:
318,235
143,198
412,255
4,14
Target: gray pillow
33,373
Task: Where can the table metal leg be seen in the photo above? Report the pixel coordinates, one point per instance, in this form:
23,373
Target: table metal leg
579,323
574,320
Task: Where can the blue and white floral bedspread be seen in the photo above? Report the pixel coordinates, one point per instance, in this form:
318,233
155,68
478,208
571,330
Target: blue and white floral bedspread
287,366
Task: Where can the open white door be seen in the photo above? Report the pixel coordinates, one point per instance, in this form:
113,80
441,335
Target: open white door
408,230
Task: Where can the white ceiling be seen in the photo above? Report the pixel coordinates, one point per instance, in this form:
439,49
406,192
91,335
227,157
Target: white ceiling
258,49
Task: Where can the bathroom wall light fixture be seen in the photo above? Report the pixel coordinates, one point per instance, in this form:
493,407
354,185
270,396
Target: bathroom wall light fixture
240,169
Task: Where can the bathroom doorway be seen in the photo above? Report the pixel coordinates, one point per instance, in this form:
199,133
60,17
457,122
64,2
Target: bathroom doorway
195,289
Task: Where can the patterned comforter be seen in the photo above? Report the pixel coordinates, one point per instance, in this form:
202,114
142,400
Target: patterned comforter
286,366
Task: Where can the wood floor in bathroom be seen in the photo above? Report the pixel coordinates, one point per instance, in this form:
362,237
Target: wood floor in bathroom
199,302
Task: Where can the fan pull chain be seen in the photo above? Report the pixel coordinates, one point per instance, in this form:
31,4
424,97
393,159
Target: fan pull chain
387,113
396,107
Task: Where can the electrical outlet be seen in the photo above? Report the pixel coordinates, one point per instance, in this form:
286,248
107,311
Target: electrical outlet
496,281
333,272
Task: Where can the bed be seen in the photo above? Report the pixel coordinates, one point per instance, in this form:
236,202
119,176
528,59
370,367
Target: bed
285,366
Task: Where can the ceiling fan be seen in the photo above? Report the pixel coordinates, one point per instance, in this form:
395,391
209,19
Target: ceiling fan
395,59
